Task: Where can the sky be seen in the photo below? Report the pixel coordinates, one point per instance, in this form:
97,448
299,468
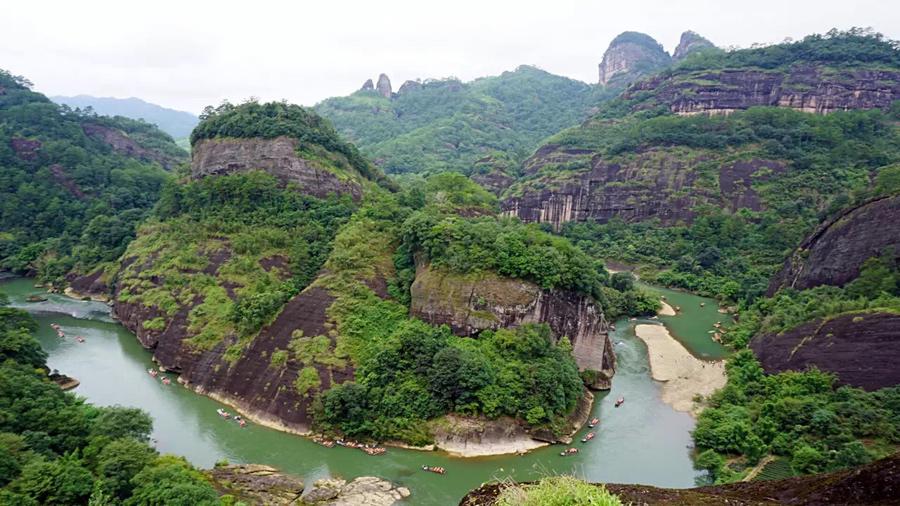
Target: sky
189,54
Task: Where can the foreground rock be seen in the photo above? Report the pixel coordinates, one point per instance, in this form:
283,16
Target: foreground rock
862,349
257,484
266,486
363,491
877,483
835,252
471,304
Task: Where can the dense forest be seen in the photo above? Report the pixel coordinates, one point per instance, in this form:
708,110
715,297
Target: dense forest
68,200
55,449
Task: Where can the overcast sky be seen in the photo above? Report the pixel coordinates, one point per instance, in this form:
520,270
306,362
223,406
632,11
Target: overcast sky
189,54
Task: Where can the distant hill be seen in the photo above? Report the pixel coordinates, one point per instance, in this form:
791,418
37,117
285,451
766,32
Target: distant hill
178,124
435,125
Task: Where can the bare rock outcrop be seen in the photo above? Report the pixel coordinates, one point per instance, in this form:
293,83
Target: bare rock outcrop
469,305
862,349
690,42
257,484
384,86
368,86
362,491
630,56
408,86
835,252
278,156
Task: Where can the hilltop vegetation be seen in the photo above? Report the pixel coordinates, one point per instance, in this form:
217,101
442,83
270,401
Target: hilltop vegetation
68,200
447,125
318,139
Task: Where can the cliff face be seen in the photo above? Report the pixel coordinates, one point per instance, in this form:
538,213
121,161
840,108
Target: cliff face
690,42
862,349
278,156
471,304
630,56
263,391
384,86
835,252
651,184
804,88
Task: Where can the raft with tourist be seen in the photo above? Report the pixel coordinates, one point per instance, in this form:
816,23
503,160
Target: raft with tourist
588,437
620,401
434,469
569,452
593,423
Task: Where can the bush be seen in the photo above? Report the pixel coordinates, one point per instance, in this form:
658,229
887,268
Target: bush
557,491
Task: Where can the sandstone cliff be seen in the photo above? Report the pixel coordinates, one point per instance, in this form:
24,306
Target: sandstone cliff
653,183
862,349
806,88
690,42
280,157
835,252
470,304
630,56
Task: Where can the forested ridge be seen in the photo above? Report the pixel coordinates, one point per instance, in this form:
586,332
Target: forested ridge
69,200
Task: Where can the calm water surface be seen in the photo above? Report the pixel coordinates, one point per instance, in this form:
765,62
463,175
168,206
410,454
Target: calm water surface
644,441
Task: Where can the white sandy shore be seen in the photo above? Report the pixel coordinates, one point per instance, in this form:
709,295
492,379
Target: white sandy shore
683,375
666,309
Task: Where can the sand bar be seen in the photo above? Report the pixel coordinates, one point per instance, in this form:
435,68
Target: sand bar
683,375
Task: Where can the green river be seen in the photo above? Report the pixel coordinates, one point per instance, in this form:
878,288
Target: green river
644,441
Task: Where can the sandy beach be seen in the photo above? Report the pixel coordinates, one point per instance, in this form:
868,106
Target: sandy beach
682,374
666,309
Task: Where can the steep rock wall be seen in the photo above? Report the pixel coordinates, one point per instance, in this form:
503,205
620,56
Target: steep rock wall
278,156
629,56
835,252
261,390
650,184
804,88
470,304
862,349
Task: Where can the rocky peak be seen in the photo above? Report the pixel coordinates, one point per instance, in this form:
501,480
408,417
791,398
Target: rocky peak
632,55
367,86
409,86
690,41
384,86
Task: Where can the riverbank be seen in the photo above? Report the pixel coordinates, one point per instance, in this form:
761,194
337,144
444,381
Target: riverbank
665,309
683,375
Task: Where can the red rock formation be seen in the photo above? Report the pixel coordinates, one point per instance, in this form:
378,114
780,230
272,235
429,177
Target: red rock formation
120,142
862,349
835,252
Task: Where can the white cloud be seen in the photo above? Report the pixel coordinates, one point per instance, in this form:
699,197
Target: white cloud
189,54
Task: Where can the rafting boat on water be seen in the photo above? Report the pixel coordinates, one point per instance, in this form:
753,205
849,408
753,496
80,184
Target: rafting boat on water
327,443
620,401
374,450
434,469
79,339
166,381
569,452
152,372
224,414
593,423
588,437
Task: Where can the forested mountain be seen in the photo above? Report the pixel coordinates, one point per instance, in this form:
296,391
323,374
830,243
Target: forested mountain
445,124
176,123
73,185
